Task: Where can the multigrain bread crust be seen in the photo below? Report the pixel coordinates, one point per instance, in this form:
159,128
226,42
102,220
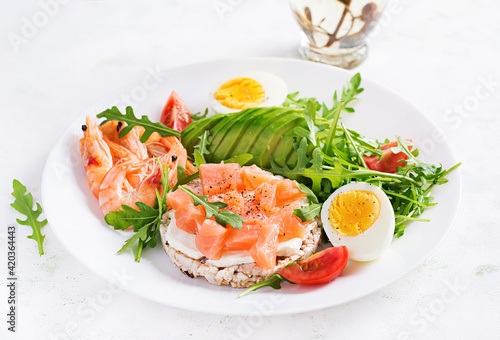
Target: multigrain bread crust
238,276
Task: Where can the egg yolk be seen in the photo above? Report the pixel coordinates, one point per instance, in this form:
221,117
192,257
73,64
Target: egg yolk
353,212
240,94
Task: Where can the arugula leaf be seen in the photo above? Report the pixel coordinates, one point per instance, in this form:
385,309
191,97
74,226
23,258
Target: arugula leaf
203,144
182,178
273,282
308,212
223,217
311,197
292,101
146,221
199,115
316,171
310,118
328,146
348,95
127,217
240,159
132,120
24,204
198,158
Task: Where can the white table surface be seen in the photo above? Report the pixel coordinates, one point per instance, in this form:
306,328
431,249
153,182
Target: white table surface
436,54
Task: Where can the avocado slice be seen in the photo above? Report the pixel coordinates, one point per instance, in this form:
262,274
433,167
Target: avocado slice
225,142
191,134
253,131
273,134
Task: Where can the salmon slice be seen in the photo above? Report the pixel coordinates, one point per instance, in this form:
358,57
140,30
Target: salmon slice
242,239
265,195
178,199
210,239
190,218
219,178
250,213
253,176
233,198
265,249
287,192
290,226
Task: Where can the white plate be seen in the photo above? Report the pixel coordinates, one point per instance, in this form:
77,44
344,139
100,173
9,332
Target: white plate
76,219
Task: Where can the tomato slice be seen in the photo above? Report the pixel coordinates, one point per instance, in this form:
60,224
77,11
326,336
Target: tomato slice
389,161
175,114
321,267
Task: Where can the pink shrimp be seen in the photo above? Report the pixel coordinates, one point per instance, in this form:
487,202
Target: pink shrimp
96,155
159,146
131,141
116,190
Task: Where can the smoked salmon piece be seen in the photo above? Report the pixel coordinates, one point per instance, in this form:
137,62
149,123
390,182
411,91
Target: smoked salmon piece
233,198
190,218
210,239
287,192
178,199
220,178
289,225
242,239
265,195
265,249
253,176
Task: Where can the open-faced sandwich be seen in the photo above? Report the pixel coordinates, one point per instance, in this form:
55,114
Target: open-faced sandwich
270,238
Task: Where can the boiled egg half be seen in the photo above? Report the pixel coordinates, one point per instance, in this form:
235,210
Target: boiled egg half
359,216
246,90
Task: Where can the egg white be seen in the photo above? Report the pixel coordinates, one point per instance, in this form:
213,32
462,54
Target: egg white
373,242
275,88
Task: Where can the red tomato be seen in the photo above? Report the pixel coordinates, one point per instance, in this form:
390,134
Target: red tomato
389,161
175,114
319,268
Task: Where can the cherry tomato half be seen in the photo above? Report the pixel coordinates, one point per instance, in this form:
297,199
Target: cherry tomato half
389,161
175,114
319,268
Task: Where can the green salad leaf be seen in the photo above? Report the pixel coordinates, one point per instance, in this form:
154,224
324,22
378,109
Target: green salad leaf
223,217
23,203
240,159
310,118
198,116
274,282
349,94
308,212
203,144
131,120
146,221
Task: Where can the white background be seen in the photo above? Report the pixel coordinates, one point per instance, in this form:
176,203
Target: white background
439,55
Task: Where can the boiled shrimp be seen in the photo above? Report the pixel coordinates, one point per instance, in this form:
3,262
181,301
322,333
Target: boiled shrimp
131,141
133,180
158,146
116,190
96,155
118,151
